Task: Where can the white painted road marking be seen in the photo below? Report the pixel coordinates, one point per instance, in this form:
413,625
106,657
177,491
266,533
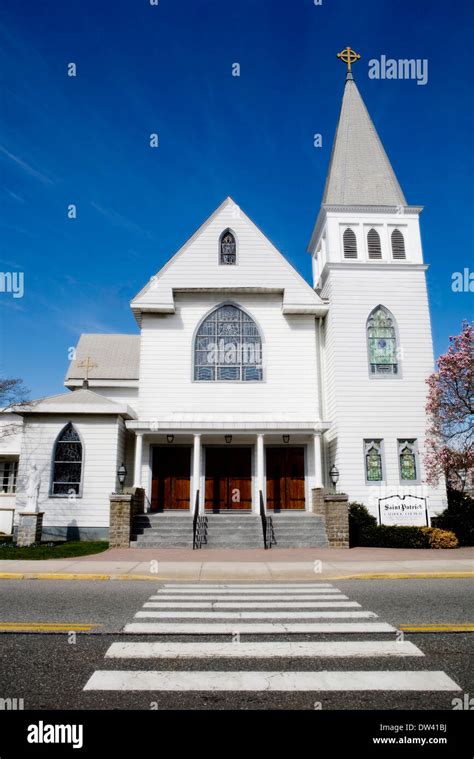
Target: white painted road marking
255,628
209,615
250,604
239,597
270,591
249,585
261,650
271,681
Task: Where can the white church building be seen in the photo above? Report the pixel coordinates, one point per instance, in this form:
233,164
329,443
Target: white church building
243,379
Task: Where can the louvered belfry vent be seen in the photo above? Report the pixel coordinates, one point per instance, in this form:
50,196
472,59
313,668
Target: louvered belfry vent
398,245
350,244
373,244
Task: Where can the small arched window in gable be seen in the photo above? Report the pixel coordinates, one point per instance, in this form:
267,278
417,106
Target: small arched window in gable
350,244
398,246
227,248
382,342
228,347
373,244
67,462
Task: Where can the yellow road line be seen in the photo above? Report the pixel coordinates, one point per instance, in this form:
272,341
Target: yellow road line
46,626
234,577
404,576
463,627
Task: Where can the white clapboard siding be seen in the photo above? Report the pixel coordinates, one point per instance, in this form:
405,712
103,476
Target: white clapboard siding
361,406
100,437
290,371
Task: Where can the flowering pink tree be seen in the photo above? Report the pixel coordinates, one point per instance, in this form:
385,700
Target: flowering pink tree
449,443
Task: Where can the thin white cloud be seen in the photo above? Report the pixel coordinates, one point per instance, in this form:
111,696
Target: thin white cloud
121,221
14,195
26,166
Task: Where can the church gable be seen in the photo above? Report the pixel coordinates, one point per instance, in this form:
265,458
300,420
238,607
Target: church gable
228,253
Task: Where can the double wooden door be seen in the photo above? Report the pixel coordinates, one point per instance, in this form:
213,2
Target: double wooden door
228,478
285,478
171,473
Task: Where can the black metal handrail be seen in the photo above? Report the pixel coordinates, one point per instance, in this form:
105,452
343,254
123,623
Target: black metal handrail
195,519
263,517
199,526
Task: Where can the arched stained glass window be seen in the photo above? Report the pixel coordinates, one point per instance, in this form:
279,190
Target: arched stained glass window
373,460
67,462
407,457
382,342
350,243
227,248
228,347
373,244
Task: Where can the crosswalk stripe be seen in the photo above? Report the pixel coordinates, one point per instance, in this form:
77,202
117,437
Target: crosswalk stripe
271,681
250,604
217,628
209,615
262,650
331,597
245,586
251,591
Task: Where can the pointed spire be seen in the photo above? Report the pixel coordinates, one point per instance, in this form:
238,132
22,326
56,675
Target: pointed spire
360,172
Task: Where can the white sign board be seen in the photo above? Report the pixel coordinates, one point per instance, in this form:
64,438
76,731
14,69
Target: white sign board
407,510
6,521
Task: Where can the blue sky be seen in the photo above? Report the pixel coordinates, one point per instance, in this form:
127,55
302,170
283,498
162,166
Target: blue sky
167,69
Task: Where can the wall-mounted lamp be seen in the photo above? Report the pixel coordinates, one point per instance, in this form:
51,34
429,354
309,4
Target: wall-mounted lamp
121,475
170,438
334,475
228,439
286,438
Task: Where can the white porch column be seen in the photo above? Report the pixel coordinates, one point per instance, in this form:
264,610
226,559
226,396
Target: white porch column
318,467
137,473
260,469
197,470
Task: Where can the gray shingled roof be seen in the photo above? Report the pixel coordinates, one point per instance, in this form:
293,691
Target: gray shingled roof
81,401
116,356
360,172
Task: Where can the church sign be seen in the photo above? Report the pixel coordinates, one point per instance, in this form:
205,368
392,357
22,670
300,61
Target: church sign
403,510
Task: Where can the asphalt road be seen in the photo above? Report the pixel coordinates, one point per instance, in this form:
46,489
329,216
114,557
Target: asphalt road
49,670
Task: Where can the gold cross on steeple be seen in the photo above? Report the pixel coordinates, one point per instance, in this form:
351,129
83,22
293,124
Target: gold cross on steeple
349,56
87,364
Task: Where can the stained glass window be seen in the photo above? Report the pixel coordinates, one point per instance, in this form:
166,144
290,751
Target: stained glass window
67,465
228,347
382,342
407,455
228,252
373,460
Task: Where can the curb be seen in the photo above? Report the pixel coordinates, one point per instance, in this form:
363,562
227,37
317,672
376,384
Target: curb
158,578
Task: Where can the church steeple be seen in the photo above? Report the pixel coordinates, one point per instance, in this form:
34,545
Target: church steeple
360,172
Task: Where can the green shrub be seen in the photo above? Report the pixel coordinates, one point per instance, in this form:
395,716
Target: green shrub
364,530
360,521
458,517
384,536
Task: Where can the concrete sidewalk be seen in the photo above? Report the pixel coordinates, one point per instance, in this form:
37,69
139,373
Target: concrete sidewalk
251,564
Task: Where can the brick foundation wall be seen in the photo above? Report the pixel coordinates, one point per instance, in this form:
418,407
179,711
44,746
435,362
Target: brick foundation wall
335,510
123,508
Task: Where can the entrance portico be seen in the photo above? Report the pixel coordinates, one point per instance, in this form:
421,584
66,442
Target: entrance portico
229,466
